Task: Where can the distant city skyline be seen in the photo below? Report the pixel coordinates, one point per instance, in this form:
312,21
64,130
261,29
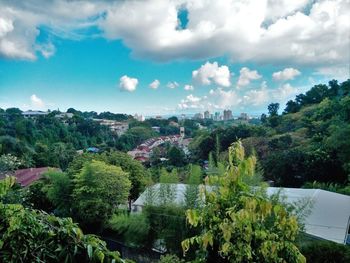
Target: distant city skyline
168,57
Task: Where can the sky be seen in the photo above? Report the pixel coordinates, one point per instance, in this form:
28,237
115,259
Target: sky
168,57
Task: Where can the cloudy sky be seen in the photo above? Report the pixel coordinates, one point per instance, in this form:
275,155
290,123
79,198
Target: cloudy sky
169,56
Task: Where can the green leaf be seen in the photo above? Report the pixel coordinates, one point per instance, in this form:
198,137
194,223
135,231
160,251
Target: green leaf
89,250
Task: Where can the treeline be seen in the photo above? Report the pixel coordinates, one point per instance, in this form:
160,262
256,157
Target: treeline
50,141
308,142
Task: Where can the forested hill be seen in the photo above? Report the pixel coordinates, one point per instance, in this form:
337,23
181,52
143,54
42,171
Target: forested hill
309,141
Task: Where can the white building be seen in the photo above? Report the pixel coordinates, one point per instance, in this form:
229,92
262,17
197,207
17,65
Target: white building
33,114
329,216
115,126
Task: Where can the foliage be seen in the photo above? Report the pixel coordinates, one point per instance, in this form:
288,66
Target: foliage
326,252
133,228
170,259
176,156
239,225
138,175
98,189
58,191
332,187
167,223
8,163
32,236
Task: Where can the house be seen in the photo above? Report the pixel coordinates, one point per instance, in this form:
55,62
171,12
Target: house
93,150
115,126
26,177
328,217
33,114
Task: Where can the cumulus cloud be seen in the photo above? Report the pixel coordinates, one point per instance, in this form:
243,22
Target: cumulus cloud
300,32
188,87
307,32
246,75
286,74
36,102
219,99
127,83
212,73
154,84
172,85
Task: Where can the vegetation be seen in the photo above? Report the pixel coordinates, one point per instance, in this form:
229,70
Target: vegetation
28,235
238,225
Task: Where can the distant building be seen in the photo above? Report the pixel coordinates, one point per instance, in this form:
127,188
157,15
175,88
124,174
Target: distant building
228,115
182,132
206,115
64,115
26,177
217,116
139,117
93,150
115,126
198,116
156,128
244,116
33,114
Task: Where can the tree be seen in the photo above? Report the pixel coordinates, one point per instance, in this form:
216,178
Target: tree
99,188
273,109
28,235
241,224
58,191
176,156
291,107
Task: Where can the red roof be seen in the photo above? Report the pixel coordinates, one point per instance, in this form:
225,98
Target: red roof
26,177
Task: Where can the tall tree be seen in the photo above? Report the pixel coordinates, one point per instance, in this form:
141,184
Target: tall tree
99,189
239,224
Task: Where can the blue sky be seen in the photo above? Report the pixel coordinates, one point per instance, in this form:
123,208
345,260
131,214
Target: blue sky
105,58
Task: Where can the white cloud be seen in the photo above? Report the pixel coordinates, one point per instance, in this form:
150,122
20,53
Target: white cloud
154,84
212,73
286,74
300,32
37,102
246,75
253,99
172,85
188,87
127,83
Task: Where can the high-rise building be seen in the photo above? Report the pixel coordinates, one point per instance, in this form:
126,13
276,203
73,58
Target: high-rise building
244,116
217,116
206,115
228,115
182,132
198,116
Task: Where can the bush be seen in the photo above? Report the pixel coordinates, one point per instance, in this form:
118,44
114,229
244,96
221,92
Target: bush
132,228
170,259
326,252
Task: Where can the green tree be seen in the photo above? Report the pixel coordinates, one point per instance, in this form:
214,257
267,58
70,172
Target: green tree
28,235
273,109
99,188
176,156
240,225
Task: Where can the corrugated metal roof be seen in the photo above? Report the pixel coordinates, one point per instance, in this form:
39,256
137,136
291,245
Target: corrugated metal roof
328,217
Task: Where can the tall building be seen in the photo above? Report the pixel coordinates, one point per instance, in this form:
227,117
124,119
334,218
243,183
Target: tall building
206,115
217,116
244,116
228,115
182,132
198,116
